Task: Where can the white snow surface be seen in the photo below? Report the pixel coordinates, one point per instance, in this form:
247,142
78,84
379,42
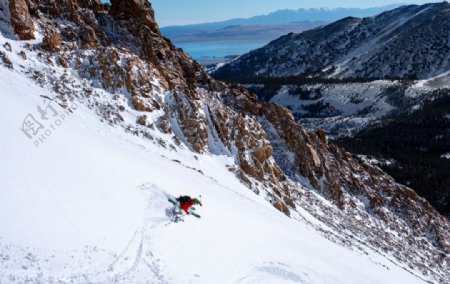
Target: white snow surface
340,97
5,26
88,206
352,106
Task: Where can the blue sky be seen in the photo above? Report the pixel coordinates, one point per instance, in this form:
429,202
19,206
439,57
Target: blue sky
180,12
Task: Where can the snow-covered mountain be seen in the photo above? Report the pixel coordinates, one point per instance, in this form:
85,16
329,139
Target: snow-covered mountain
343,108
101,117
281,17
407,42
402,125
366,75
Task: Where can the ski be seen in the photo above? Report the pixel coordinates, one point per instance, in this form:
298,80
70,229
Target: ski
195,214
173,201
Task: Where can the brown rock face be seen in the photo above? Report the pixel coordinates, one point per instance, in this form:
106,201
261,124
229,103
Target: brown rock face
52,40
21,19
90,4
142,120
89,37
177,69
138,10
62,8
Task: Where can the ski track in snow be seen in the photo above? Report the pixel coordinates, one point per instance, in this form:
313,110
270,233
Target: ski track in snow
283,273
139,249
135,256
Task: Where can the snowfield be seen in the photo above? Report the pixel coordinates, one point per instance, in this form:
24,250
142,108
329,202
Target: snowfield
351,106
343,109
87,204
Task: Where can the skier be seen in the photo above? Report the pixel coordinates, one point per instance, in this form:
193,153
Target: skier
180,204
186,202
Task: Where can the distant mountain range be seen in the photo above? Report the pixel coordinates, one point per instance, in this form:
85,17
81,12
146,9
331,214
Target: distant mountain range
268,26
267,32
407,42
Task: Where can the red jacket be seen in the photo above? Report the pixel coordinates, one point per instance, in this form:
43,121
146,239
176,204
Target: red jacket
186,206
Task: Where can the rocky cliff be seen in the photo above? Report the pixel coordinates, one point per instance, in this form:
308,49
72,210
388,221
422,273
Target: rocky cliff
88,46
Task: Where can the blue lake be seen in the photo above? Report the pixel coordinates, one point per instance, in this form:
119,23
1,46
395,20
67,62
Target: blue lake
205,52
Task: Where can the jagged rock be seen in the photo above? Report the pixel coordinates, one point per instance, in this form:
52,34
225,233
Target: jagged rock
69,33
29,46
282,207
91,4
314,156
247,168
4,59
63,62
88,37
62,8
23,55
142,120
139,105
193,124
322,135
176,69
21,19
138,10
163,124
138,83
7,46
52,40
262,154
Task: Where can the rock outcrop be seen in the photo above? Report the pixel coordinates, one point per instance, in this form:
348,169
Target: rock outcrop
21,19
63,8
52,39
139,10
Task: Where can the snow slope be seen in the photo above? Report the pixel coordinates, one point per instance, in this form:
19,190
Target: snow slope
88,205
